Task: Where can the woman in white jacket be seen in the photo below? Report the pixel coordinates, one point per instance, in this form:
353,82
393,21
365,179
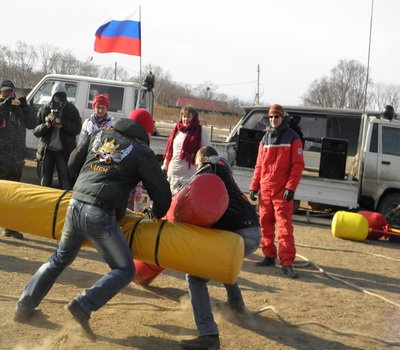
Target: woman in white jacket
187,137
100,118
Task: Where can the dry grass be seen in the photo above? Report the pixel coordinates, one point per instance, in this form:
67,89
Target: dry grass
171,114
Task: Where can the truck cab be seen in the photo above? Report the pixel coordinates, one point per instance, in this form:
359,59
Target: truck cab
379,168
124,96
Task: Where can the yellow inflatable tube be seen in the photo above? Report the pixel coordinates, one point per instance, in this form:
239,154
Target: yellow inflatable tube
212,254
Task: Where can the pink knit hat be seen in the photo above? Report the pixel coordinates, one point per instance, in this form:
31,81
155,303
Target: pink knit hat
101,99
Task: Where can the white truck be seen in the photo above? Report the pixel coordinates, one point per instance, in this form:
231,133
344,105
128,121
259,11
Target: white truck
124,96
352,159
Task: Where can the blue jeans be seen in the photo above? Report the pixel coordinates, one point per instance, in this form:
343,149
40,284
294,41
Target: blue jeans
84,221
198,291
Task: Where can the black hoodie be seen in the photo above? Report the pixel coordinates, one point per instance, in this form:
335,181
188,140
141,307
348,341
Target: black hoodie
111,163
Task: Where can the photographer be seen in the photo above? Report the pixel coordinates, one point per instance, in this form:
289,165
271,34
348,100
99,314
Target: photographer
59,123
15,117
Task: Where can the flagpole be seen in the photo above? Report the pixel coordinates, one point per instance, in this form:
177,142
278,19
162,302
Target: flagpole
140,21
369,54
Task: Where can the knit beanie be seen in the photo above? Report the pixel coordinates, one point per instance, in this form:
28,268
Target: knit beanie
276,109
144,118
101,99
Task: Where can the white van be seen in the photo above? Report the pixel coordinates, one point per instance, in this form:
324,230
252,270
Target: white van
124,96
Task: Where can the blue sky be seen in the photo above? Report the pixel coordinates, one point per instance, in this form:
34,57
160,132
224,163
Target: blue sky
293,41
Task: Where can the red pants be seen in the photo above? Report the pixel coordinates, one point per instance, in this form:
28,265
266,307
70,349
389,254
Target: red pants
276,213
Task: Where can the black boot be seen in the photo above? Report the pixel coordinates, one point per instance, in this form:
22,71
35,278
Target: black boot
206,342
288,271
82,317
266,262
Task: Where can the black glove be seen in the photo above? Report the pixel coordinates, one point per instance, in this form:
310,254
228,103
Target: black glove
253,195
7,101
288,195
148,213
22,101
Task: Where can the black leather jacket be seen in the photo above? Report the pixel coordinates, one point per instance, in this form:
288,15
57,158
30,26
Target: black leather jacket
240,213
111,162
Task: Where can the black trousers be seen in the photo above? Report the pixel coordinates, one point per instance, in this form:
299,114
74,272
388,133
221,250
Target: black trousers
55,160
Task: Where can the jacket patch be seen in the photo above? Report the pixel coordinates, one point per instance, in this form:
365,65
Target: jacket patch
108,151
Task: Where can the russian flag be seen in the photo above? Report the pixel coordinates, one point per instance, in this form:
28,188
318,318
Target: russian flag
122,36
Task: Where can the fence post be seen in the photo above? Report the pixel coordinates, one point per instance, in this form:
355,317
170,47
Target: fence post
211,132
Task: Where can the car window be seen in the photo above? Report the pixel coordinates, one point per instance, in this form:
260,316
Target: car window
373,147
391,141
116,96
43,94
257,121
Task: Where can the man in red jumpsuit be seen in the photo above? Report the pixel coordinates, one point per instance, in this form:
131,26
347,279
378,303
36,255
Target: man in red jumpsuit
277,173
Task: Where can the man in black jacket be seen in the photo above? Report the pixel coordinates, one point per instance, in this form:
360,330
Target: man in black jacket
241,218
59,124
15,117
110,163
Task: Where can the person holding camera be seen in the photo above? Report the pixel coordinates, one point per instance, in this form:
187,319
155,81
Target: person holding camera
59,124
15,117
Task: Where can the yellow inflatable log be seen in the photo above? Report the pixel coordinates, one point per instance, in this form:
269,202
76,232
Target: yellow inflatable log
212,254
351,226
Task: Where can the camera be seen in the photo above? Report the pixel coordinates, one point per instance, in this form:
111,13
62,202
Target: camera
56,113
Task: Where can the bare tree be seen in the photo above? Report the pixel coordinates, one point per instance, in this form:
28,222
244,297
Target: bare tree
4,62
24,58
87,68
384,94
343,89
47,58
206,90
167,91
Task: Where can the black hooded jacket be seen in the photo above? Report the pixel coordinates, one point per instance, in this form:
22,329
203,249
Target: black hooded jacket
240,213
71,126
110,164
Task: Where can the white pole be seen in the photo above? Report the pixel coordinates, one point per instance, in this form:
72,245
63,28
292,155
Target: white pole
369,54
140,21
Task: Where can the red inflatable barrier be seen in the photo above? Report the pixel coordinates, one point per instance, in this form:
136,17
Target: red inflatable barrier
376,222
145,272
202,201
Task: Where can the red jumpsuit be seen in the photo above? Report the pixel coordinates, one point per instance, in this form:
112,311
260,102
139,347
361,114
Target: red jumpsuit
279,166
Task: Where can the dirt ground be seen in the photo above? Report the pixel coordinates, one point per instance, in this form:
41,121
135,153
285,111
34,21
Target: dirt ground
348,297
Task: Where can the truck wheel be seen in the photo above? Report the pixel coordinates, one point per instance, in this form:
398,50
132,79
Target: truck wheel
388,203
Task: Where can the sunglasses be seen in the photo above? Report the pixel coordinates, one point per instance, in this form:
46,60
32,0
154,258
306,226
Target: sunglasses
273,116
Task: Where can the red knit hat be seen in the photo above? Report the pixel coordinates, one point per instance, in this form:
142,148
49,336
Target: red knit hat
277,109
101,99
144,118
